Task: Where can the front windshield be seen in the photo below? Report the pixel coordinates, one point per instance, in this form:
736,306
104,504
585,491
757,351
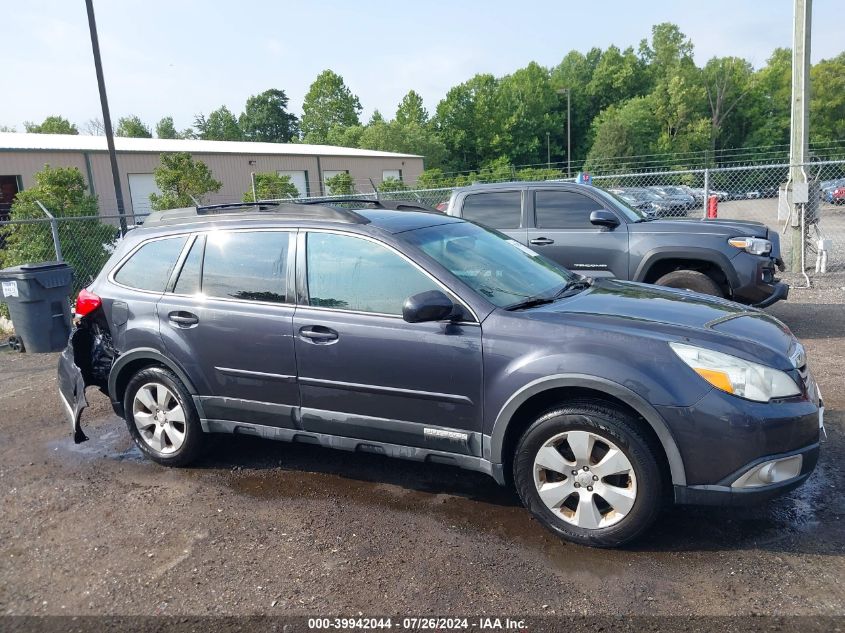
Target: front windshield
501,269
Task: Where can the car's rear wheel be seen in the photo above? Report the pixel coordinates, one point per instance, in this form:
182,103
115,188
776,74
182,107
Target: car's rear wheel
162,418
589,474
691,280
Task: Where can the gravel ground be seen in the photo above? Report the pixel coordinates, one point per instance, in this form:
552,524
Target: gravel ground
267,528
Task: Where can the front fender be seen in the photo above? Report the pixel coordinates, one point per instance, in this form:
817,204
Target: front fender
493,449
709,255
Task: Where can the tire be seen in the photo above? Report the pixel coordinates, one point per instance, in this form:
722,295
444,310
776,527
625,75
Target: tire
691,280
161,417
634,497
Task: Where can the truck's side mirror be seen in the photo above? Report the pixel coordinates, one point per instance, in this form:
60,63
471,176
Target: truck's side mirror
604,218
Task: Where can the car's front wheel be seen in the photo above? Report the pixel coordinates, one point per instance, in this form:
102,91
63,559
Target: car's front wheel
162,418
590,474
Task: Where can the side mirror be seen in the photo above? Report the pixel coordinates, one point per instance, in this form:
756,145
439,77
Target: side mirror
431,305
604,218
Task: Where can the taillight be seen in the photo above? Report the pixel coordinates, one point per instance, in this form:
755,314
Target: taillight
86,303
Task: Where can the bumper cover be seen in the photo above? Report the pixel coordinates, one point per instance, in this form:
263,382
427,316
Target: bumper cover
781,291
723,494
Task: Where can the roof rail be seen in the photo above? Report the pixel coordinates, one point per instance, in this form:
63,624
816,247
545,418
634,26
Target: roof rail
255,209
391,205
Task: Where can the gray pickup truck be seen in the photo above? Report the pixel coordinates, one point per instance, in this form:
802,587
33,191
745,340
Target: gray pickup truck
597,234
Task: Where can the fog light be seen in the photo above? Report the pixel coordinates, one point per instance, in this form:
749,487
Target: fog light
771,472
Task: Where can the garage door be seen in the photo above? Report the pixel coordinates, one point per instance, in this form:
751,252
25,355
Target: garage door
140,188
299,179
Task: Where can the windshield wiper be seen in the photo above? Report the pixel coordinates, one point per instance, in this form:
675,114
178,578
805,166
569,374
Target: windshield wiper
576,284
530,302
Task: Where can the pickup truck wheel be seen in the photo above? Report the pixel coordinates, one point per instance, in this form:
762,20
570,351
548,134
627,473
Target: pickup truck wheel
162,418
589,474
691,280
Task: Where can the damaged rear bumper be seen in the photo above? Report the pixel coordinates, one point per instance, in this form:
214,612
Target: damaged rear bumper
72,389
85,362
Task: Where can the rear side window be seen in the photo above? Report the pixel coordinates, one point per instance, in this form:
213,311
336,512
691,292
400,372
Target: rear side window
564,210
150,266
248,265
498,210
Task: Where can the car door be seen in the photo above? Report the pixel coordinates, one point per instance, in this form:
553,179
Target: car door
366,373
227,319
562,231
500,209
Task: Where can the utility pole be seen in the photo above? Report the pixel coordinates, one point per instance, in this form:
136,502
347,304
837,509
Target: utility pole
548,151
101,83
799,129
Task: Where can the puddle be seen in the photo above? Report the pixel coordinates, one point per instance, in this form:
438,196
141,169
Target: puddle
108,440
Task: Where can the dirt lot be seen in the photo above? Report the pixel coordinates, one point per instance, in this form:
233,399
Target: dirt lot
267,528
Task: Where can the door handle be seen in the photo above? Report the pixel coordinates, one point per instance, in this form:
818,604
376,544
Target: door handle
183,319
318,334
541,241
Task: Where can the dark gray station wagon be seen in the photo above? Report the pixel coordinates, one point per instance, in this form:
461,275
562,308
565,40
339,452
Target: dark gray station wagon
426,337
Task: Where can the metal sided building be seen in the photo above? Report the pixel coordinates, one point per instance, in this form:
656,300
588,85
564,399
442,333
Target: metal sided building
231,162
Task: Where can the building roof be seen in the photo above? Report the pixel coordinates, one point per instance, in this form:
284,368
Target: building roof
10,141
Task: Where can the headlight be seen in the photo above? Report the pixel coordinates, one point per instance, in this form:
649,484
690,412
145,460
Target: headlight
753,245
735,375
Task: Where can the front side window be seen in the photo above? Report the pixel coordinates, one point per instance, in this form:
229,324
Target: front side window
502,270
150,266
351,273
564,210
498,210
247,265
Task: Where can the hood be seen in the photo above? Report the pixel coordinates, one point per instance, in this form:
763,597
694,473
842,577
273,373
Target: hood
669,314
728,228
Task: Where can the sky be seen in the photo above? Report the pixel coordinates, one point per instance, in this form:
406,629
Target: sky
183,57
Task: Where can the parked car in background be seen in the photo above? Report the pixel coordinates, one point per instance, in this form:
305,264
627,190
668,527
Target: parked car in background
697,194
417,335
596,233
837,195
652,203
827,189
675,194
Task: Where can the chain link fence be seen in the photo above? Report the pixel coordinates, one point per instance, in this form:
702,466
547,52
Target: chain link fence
813,242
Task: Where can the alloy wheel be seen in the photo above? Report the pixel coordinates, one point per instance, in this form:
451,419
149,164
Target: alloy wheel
585,479
159,418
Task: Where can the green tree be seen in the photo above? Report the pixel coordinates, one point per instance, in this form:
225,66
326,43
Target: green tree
133,127
618,76
390,185
727,81
181,180
767,107
411,110
272,186
86,243
827,102
166,129
51,125
433,178
340,185
621,131
526,109
328,103
220,125
266,118
575,72
466,121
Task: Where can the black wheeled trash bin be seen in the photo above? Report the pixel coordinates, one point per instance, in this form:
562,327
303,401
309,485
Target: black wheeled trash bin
37,296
